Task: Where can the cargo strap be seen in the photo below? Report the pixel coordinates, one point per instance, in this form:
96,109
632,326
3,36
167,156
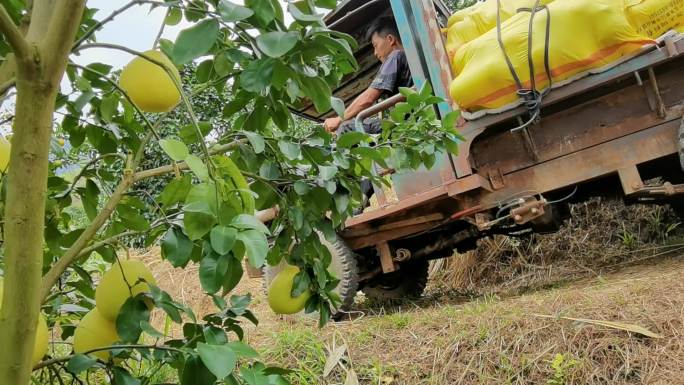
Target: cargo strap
532,98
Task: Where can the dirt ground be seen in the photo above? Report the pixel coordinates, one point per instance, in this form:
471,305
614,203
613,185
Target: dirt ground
493,338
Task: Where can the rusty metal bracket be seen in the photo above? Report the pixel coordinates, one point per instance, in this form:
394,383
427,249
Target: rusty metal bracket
661,110
528,211
634,186
385,257
496,179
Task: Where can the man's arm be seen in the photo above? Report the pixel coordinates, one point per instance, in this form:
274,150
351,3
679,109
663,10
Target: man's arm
363,101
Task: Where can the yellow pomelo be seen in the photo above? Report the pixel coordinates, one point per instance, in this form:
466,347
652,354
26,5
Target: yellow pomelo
113,289
279,293
5,147
94,332
150,86
41,345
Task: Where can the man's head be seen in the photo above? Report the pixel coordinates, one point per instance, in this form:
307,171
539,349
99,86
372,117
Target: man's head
384,35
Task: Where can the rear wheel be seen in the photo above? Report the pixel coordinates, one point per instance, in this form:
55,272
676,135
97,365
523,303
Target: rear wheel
407,282
342,265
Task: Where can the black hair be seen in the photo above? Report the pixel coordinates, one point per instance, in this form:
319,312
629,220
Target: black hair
383,26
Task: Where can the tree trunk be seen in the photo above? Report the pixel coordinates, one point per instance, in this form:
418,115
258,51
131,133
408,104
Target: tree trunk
24,227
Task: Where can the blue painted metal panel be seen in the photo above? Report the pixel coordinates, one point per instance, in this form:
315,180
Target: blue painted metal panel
404,21
429,54
415,38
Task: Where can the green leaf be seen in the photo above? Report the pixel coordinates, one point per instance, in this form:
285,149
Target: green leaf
222,239
300,284
301,188
319,92
351,139
223,64
256,246
122,377
219,359
263,11
109,106
189,133
242,350
276,44
449,121
232,12
257,141
132,313
196,373
198,167
175,149
148,329
341,202
298,15
176,191
195,41
327,172
176,247
233,275
80,362
173,17
132,218
289,149
257,76
253,376
90,199
245,221
213,269
197,225
338,106
329,4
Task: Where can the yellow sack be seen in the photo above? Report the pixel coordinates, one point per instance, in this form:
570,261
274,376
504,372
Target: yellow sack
585,34
469,23
653,18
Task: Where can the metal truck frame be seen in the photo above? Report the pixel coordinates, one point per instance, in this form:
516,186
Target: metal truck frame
603,134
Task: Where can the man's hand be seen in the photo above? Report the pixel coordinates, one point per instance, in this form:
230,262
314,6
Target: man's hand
332,124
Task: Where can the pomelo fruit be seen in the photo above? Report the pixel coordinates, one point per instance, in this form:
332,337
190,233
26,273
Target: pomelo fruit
94,332
113,289
279,298
149,86
41,345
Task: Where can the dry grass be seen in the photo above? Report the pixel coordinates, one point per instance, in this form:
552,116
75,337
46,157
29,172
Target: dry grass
477,323
601,235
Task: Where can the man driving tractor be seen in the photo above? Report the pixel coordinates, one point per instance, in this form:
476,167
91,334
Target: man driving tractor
393,73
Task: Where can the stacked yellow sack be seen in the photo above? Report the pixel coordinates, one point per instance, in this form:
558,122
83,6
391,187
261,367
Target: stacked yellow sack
585,34
653,18
474,21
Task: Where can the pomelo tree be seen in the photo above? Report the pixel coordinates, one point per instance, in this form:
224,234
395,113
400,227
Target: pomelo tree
206,213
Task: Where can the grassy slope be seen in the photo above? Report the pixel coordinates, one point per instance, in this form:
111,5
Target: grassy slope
492,340
477,325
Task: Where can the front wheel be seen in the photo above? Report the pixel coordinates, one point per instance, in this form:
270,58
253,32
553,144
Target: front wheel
342,265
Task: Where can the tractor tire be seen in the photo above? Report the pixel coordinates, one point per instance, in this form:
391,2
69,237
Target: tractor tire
342,265
407,282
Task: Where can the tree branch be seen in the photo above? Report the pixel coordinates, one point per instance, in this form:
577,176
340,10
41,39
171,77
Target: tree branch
79,245
53,361
55,46
140,175
20,47
74,251
104,21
